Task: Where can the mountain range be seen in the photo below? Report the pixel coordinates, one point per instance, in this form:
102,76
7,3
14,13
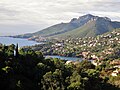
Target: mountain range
85,26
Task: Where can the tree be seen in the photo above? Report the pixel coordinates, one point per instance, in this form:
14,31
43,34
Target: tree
16,51
53,81
75,82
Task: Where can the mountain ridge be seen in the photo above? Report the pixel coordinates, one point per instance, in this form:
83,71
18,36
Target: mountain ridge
88,25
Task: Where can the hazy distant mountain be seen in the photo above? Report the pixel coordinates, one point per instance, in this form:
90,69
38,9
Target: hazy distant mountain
85,26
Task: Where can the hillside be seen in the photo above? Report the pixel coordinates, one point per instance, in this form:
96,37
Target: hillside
74,47
84,26
90,29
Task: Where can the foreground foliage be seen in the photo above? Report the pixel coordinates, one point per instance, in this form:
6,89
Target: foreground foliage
29,70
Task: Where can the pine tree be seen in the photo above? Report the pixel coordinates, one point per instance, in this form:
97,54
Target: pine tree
16,50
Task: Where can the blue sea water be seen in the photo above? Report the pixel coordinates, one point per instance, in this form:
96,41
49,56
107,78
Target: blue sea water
64,58
21,42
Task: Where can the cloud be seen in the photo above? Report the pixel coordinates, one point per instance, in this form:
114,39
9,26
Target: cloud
44,13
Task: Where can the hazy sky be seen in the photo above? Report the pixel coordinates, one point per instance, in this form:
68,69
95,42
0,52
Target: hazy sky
21,16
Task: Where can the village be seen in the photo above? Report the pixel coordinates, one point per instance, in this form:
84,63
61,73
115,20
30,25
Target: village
103,50
96,49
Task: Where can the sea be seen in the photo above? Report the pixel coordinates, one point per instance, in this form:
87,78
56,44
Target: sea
21,42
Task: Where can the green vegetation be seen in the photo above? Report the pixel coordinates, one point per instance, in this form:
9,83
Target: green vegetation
25,69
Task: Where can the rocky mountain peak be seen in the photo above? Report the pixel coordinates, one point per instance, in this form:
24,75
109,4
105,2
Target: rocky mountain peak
82,20
87,18
74,19
106,18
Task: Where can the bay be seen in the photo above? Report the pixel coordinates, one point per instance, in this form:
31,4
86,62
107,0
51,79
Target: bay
64,58
21,42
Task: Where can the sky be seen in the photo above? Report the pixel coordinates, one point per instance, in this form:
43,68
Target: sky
26,16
